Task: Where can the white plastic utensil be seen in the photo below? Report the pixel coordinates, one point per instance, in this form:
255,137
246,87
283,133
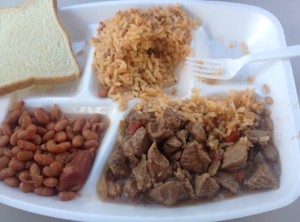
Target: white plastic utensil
227,68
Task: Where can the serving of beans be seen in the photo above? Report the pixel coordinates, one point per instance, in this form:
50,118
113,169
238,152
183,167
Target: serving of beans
46,152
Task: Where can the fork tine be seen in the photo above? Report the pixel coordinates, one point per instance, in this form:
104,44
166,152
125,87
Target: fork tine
204,66
203,61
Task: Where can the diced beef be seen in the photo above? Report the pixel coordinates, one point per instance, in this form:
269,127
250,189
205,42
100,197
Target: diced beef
264,177
194,158
76,172
270,153
117,163
137,145
258,136
171,192
266,123
227,181
235,157
130,188
176,156
109,189
214,167
182,136
181,174
158,164
141,175
144,117
197,131
172,144
169,119
205,186
157,133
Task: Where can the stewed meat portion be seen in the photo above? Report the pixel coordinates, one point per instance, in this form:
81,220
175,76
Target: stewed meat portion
171,192
171,160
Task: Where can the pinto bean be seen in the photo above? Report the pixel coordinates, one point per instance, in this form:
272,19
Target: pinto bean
26,187
7,172
77,141
78,124
89,135
43,159
16,164
60,137
4,140
61,125
49,135
6,128
4,162
26,145
45,191
13,116
50,182
67,195
54,113
25,155
41,115
91,144
12,181
14,138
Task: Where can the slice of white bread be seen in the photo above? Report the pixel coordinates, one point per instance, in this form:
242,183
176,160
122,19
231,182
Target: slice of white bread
34,48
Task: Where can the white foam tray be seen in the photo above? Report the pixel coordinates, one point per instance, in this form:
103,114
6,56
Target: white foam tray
223,24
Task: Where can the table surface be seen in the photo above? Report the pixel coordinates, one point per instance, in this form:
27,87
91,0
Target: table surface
288,14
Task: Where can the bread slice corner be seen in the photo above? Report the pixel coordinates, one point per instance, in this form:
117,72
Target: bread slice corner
35,49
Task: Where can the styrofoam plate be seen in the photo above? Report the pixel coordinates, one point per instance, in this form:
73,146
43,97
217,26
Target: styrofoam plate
224,24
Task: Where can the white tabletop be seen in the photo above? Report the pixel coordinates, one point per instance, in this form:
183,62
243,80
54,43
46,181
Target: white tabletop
288,14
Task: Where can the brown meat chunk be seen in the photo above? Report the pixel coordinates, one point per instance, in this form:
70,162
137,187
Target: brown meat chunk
76,172
130,188
214,167
264,177
169,119
137,145
227,181
157,133
158,164
270,153
235,157
141,175
258,136
182,136
194,158
197,131
205,186
108,189
117,163
171,192
181,174
172,144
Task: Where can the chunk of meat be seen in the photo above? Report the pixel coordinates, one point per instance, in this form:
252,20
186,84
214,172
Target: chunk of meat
197,131
158,164
142,117
157,133
264,177
76,172
182,136
235,157
172,144
141,175
117,163
227,181
181,174
214,167
130,188
137,145
108,189
232,137
169,119
258,136
194,158
133,126
270,153
171,192
205,186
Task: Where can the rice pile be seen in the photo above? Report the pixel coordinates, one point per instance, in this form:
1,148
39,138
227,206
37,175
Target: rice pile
237,111
136,51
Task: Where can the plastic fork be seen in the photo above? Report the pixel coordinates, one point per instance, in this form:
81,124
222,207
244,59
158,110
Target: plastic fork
227,68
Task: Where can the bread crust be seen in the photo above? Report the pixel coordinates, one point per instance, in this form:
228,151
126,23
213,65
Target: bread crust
35,79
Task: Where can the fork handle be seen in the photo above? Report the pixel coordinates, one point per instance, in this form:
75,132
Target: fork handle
287,52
